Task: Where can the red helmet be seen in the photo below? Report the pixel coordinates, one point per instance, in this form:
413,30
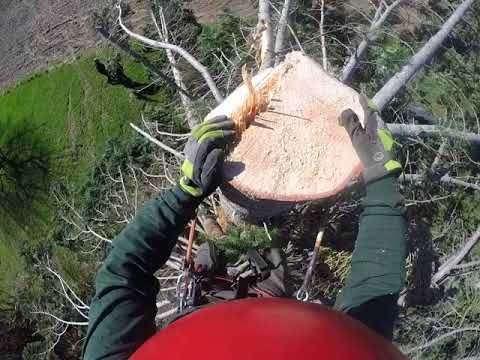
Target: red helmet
272,328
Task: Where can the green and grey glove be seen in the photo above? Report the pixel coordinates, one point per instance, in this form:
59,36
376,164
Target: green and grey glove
373,145
204,153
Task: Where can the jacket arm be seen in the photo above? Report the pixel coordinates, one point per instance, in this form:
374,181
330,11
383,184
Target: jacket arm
122,313
377,273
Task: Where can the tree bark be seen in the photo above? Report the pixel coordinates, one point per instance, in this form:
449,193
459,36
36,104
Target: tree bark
399,80
265,20
281,30
322,37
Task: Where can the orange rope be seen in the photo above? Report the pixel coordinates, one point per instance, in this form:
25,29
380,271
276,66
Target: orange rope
191,239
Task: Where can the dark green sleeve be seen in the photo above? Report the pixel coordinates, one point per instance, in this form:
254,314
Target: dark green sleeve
122,313
377,273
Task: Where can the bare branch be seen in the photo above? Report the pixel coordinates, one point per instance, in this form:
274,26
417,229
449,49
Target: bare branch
322,36
185,54
446,179
400,79
265,24
281,29
157,142
372,34
438,159
78,307
142,60
74,323
439,338
451,263
408,130
177,75
467,265
166,314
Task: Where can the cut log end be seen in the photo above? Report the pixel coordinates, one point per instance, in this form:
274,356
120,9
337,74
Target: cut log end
294,149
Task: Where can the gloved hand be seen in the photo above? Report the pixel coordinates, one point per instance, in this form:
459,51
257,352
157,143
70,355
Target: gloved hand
205,152
373,145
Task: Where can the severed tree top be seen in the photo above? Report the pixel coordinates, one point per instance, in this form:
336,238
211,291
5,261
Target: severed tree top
294,149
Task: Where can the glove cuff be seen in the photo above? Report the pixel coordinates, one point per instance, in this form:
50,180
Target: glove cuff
187,186
377,172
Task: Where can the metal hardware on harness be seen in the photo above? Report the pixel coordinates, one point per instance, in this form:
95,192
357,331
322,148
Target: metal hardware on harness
302,293
186,289
186,282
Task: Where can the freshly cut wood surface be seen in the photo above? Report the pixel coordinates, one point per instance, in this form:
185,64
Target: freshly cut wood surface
295,150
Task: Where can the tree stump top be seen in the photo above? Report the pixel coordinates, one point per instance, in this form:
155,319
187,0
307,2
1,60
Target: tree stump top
295,150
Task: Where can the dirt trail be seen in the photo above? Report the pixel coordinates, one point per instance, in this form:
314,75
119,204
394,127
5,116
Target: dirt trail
35,33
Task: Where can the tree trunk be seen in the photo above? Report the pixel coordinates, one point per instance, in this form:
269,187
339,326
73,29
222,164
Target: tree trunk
265,20
281,32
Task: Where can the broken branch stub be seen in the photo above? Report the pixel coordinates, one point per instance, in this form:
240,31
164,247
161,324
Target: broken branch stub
294,149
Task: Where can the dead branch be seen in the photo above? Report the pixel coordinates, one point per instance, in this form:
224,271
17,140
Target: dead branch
177,75
450,264
467,265
408,130
182,52
438,339
74,323
166,314
372,34
78,304
281,29
142,60
445,179
438,159
267,54
448,179
157,142
322,36
400,79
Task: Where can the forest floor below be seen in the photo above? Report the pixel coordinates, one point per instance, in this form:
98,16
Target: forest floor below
39,33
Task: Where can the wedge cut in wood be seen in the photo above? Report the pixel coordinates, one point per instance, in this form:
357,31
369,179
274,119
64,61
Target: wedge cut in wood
293,149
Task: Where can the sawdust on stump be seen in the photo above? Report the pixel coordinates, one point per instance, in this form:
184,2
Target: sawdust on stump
294,150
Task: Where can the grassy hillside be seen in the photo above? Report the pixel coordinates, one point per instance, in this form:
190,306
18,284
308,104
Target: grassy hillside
75,112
